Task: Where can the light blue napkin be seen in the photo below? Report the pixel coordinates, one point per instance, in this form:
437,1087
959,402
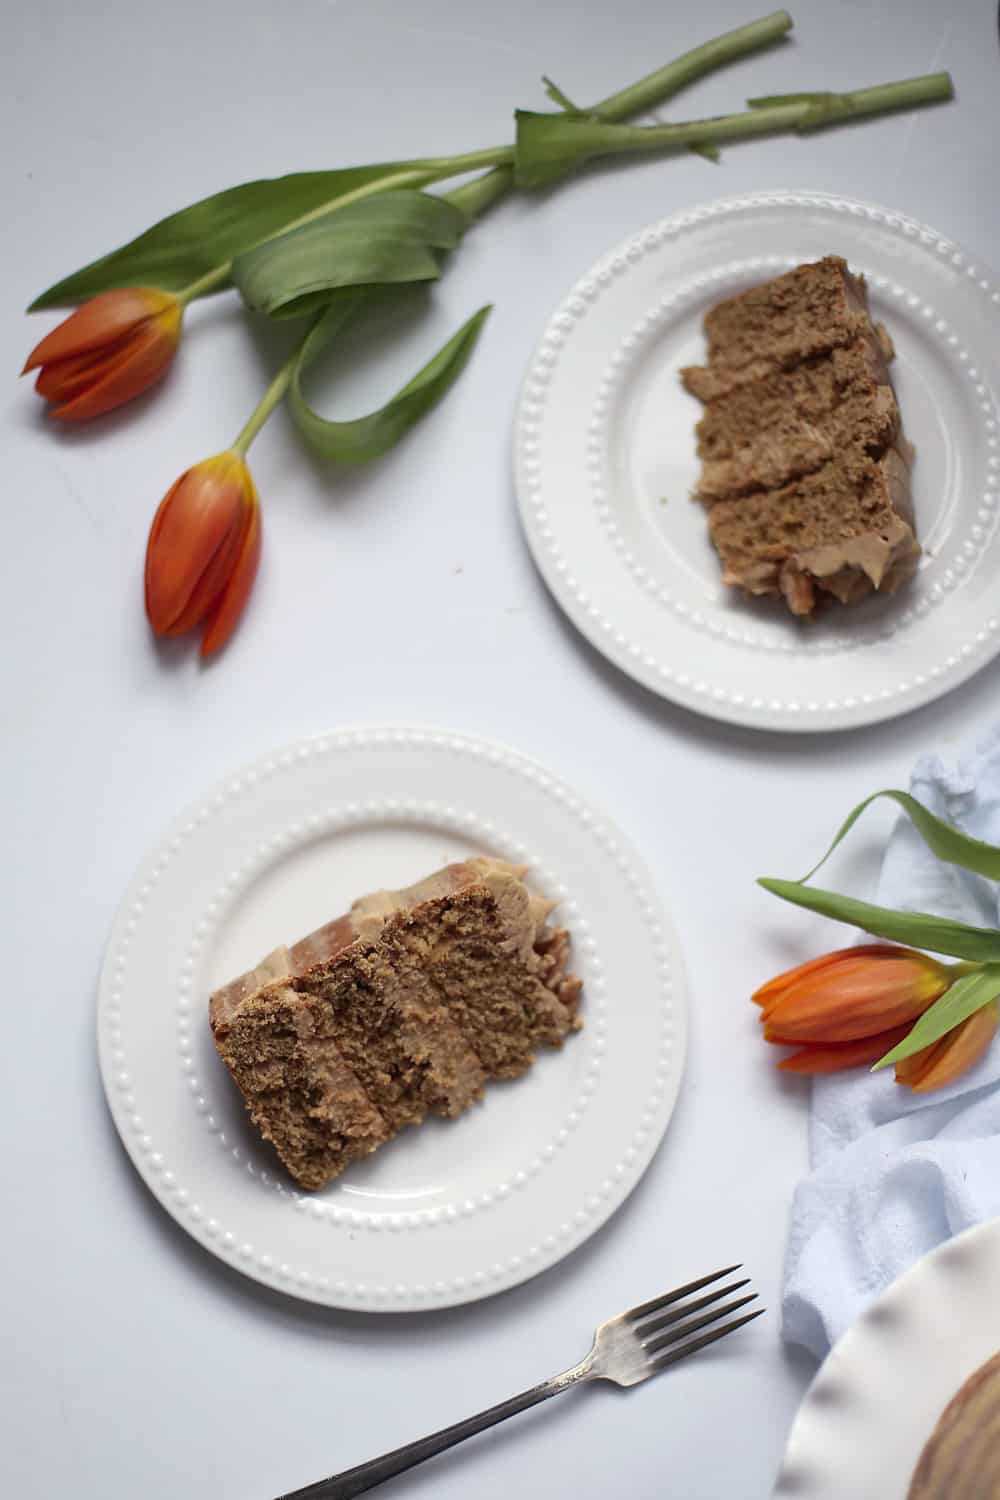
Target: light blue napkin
896,1173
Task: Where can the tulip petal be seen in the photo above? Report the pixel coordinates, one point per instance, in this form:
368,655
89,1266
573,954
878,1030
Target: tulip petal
62,379
953,1055
768,994
840,1055
195,532
209,586
222,622
106,318
142,360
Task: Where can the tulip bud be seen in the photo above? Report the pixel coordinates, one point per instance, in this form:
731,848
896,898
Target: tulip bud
850,994
953,1055
204,547
112,348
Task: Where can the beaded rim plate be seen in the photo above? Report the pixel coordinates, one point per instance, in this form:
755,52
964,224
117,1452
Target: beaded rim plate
879,1393
605,464
456,1210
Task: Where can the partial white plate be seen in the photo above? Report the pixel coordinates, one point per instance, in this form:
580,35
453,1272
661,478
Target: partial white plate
605,465
455,1210
880,1391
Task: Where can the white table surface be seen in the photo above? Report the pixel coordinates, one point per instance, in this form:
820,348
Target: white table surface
132,1363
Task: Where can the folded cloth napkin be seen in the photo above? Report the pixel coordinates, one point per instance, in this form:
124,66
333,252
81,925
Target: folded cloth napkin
896,1173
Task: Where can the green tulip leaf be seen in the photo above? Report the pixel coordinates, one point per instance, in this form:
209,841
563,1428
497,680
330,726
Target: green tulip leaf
203,238
365,438
957,1004
915,929
949,843
393,237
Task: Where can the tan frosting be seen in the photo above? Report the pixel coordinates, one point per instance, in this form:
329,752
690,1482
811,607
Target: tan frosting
880,559
522,912
885,557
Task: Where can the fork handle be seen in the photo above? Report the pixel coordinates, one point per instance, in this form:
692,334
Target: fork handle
366,1476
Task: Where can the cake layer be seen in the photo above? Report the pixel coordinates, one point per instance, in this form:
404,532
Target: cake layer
390,1027
489,984
845,529
789,423
805,312
300,1093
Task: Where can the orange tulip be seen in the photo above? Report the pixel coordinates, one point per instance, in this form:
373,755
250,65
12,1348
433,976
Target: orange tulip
204,547
850,994
112,348
947,1059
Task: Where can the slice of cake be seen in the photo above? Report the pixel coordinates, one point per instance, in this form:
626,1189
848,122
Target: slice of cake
404,1007
961,1460
805,471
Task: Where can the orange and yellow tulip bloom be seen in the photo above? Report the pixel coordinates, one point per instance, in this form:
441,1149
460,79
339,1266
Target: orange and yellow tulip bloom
849,1007
953,1055
112,348
203,551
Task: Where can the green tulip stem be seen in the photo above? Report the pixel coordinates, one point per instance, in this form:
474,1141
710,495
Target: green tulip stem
473,198
271,398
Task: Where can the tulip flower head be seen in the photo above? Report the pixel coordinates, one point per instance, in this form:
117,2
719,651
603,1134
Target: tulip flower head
203,551
851,1006
112,348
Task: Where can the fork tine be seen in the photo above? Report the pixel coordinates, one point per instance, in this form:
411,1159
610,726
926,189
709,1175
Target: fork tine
653,1325
663,1360
677,1334
635,1313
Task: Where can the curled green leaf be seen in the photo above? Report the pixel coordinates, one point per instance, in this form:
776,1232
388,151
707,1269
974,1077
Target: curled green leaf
194,247
193,242
915,929
368,437
392,237
943,839
197,243
967,995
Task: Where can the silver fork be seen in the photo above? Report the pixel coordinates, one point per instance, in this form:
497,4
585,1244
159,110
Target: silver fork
626,1350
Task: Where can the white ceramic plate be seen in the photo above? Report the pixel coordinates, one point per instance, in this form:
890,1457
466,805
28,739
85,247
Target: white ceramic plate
878,1395
455,1210
605,464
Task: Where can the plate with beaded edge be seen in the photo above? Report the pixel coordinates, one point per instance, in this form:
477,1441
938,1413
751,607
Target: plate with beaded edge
455,1210
605,464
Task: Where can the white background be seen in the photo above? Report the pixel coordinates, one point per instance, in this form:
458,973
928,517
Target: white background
132,1363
